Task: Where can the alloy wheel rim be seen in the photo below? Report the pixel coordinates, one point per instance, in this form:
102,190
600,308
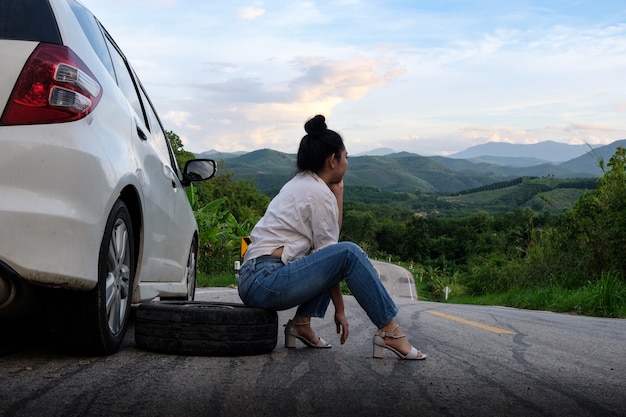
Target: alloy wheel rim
118,277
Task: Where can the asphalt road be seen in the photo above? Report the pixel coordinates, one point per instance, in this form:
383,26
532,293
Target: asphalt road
398,281
483,361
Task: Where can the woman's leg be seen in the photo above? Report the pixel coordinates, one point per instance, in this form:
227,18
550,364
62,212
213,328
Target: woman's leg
267,283
364,283
305,282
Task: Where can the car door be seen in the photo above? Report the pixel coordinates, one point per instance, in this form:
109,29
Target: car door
182,224
155,176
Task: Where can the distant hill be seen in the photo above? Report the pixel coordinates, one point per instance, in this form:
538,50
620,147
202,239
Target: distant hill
512,161
213,154
588,163
268,168
547,151
406,172
376,152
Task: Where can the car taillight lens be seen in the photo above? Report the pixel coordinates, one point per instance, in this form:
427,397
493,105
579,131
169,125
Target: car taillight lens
55,86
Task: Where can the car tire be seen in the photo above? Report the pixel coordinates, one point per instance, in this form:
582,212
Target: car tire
205,328
190,272
95,322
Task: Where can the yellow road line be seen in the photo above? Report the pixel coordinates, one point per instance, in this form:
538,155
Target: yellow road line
471,323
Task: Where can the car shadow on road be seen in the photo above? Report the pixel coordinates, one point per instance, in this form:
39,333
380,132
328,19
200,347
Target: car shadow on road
21,334
31,333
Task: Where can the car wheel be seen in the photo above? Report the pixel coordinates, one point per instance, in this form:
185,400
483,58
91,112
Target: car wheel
192,265
116,270
205,328
95,322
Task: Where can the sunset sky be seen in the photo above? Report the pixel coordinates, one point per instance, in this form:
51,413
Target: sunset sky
429,77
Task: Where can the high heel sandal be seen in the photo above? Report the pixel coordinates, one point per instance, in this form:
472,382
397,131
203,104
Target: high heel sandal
291,335
379,344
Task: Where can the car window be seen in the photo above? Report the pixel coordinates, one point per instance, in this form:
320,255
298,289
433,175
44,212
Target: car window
93,31
28,20
158,133
125,80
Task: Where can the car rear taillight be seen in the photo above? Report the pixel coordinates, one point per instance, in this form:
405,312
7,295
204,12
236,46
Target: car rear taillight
55,86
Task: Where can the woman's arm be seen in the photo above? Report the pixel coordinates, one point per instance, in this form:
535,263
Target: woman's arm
340,317
337,189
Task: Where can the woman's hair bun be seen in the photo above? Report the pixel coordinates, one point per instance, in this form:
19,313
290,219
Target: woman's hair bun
317,145
316,126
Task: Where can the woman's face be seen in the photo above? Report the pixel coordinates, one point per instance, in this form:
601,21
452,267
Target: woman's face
341,166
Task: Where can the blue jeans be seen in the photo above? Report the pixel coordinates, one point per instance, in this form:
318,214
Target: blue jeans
266,282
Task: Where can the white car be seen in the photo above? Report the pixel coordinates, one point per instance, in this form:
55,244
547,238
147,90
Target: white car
94,215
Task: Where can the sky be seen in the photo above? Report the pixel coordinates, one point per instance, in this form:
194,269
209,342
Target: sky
429,77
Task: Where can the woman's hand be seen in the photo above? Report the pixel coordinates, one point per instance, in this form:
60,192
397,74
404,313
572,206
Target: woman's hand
340,318
337,188
342,326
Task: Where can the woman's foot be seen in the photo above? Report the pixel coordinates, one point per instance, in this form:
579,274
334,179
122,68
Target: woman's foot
390,337
300,328
399,341
303,327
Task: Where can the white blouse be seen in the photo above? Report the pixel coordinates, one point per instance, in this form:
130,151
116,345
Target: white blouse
302,218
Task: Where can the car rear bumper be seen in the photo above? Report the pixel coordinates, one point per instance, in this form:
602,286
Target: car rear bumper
56,187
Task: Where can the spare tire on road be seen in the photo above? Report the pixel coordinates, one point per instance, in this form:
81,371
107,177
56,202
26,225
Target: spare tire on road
205,328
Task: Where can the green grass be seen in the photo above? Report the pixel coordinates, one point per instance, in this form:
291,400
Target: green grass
226,279
604,298
595,299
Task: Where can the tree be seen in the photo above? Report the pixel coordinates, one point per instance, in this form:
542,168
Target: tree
181,155
599,220
359,227
225,212
417,239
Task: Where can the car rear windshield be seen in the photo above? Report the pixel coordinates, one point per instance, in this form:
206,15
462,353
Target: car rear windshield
28,20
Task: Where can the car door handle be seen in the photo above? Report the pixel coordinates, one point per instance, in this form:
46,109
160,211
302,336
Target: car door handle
141,134
169,173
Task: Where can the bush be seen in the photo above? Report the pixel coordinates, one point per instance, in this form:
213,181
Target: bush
220,238
607,296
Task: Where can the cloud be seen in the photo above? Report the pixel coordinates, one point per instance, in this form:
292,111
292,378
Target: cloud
249,13
319,85
349,79
179,118
240,78
272,115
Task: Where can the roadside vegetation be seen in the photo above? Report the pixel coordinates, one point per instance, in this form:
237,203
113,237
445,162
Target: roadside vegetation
563,251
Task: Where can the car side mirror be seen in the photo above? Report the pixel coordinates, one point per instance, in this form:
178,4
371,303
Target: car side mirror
198,170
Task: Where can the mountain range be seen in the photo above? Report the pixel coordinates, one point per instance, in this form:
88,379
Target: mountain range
532,154
409,172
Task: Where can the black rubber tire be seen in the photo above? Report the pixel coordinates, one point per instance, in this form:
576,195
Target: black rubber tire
81,321
205,328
